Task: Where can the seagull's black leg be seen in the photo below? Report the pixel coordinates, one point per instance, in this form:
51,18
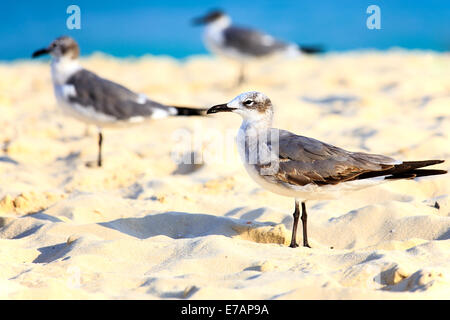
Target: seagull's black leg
100,141
305,234
294,227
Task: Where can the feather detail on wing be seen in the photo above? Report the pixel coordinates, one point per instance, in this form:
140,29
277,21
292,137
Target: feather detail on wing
112,99
252,42
305,160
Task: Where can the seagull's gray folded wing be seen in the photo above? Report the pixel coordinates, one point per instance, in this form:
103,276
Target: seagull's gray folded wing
109,98
251,42
305,160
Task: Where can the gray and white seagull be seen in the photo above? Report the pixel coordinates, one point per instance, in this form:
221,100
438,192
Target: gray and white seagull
241,43
305,168
95,100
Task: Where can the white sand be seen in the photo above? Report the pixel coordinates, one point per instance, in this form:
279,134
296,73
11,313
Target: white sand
134,230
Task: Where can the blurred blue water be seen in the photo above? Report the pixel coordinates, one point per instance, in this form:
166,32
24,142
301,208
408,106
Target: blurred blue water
138,27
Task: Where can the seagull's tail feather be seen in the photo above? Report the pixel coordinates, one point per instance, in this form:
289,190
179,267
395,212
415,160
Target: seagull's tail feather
310,49
416,173
188,111
406,170
411,165
410,169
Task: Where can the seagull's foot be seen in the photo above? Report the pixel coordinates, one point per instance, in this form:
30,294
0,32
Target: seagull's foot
93,164
293,245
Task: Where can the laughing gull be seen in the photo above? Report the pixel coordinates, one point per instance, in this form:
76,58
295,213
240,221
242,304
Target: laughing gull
242,44
94,100
305,168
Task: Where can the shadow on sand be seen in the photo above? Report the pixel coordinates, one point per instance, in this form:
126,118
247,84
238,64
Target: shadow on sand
179,225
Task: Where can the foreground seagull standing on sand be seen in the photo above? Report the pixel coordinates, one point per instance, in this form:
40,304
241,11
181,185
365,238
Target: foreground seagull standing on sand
242,44
305,168
98,101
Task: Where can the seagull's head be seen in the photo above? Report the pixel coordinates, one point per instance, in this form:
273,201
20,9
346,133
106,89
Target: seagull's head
252,106
61,47
216,17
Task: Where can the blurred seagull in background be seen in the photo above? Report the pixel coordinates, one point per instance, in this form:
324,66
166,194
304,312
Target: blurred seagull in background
94,100
304,168
242,44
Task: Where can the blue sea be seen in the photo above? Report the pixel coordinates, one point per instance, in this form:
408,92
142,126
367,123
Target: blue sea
136,27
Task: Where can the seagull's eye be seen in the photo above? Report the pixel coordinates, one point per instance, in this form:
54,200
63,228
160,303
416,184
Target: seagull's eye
248,103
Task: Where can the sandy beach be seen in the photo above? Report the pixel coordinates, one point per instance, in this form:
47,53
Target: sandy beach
147,227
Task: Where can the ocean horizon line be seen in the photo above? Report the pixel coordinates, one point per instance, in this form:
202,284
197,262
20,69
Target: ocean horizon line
103,54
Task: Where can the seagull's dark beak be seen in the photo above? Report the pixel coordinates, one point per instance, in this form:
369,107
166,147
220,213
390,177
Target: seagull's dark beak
220,108
199,21
40,52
